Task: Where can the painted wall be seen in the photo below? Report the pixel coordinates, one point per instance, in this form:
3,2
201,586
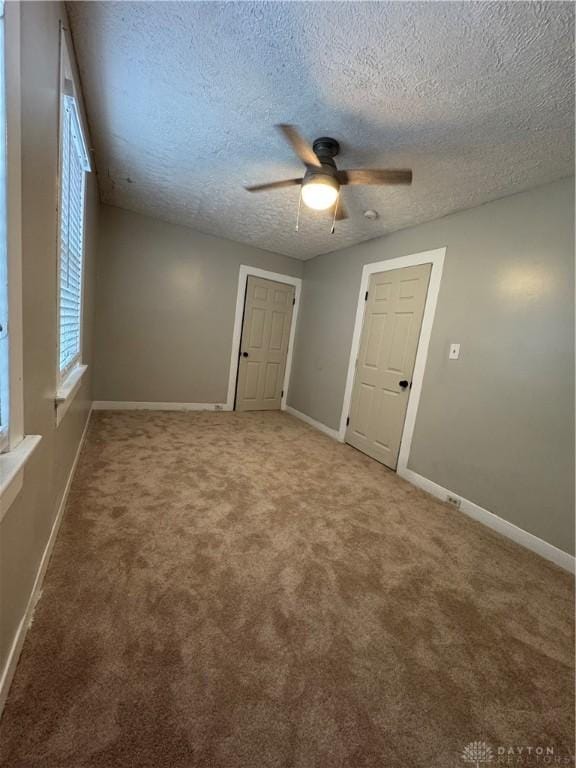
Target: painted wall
166,297
25,528
496,426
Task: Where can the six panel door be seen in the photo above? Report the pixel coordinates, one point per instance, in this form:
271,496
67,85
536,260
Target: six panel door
388,344
264,344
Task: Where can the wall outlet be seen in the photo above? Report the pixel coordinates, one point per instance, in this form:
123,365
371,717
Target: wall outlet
218,407
454,352
456,501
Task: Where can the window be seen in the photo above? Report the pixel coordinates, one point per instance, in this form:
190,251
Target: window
15,449
74,164
11,410
4,350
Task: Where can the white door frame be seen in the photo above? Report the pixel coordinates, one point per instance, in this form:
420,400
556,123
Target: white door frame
436,258
244,273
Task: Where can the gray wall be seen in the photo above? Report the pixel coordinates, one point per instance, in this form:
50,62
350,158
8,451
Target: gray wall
496,426
166,297
25,529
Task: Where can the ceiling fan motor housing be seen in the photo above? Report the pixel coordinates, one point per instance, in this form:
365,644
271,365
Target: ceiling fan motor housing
326,171
325,149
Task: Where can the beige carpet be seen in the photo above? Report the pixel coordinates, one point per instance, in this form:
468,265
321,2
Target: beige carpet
240,591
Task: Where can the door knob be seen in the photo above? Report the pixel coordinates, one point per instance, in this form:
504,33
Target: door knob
403,383
244,354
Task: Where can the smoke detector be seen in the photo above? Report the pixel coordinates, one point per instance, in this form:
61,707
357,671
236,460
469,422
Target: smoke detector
371,215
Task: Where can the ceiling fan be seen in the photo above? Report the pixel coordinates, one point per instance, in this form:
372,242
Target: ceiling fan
321,183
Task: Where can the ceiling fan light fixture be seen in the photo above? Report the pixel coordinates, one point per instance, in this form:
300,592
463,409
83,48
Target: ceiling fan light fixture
321,183
320,192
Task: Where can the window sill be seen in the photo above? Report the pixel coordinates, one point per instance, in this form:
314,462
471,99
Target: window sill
67,391
12,466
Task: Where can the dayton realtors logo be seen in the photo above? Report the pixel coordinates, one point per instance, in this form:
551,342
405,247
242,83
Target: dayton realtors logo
481,754
477,753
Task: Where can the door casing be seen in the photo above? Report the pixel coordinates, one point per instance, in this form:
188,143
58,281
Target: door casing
436,259
244,272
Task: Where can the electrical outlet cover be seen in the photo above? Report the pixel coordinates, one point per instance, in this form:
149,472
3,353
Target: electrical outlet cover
454,352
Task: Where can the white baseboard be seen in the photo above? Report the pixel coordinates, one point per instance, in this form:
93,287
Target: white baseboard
14,655
511,531
333,433
119,405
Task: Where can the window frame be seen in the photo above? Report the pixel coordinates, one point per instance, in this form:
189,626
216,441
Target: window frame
68,380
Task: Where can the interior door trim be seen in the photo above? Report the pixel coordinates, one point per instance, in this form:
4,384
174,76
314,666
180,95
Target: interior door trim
244,273
436,259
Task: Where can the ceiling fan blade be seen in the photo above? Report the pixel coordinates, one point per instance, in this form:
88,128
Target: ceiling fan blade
274,185
374,176
299,144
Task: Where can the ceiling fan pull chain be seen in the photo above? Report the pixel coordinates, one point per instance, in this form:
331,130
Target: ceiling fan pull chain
298,214
335,213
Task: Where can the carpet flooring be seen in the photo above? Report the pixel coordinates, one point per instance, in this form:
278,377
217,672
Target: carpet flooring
241,591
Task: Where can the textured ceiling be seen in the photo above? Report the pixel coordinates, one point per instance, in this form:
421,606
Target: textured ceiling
476,97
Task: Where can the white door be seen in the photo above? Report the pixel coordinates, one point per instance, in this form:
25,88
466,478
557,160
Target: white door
392,321
264,344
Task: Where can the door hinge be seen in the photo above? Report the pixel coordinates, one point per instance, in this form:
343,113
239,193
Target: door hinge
294,301
282,393
348,421
366,297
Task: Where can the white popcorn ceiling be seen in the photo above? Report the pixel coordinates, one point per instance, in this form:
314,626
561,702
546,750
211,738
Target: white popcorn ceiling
475,97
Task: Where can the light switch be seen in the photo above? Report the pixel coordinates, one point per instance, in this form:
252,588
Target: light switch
454,353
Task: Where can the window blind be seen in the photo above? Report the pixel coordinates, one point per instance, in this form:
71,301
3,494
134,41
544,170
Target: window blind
72,192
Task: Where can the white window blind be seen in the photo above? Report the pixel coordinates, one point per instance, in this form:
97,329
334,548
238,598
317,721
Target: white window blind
73,167
4,351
